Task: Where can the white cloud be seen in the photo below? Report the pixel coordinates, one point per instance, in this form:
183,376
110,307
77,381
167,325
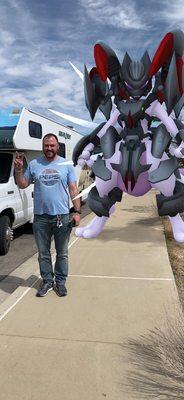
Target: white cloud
6,37
20,19
3,62
12,97
120,16
19,71
32,72
60,88
34,69
173,13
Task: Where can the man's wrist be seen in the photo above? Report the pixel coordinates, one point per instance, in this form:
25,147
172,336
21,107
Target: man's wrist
77,211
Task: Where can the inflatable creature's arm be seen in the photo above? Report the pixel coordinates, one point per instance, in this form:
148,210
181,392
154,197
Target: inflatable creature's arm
90,144
179,139
174,127
85,146
158,111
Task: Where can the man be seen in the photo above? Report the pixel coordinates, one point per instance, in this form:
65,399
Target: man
51,179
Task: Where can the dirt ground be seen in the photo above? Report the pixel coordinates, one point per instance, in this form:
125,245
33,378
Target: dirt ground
176,257
175,252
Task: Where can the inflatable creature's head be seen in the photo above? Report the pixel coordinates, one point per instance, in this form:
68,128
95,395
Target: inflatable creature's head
135,76
133,79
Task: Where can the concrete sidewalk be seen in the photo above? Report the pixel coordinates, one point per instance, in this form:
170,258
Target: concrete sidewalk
73,348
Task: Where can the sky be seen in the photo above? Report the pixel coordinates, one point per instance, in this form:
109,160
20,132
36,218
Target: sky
39,38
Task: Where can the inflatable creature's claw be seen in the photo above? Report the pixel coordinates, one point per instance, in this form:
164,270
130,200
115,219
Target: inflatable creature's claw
93,229
179,237
177,228
85,157
179,151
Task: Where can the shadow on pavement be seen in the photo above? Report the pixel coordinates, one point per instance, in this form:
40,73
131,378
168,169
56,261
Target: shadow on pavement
23,230
9,284
130,232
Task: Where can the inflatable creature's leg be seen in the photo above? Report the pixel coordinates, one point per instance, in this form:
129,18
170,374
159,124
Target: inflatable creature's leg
178,228
102,198
171,200
172,205
94,228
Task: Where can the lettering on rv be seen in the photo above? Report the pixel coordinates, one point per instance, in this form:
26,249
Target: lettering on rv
65,135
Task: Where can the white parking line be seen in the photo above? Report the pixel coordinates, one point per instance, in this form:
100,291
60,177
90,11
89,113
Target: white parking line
121,277
19,298
74,241
20,292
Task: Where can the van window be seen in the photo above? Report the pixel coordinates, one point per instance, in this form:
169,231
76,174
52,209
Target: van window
5,166
35,130
6,136
62,150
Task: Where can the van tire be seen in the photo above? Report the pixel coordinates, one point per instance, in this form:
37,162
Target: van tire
5,224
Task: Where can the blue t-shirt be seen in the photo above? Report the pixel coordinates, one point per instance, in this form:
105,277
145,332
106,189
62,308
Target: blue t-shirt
50,185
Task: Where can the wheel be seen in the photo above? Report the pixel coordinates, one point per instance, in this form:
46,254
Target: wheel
6,234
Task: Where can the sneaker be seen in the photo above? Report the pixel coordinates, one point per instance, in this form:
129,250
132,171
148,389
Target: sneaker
44,288
60,289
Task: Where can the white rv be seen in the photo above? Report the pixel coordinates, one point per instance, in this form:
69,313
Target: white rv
23,130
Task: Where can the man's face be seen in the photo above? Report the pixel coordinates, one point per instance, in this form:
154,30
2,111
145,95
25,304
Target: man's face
50,147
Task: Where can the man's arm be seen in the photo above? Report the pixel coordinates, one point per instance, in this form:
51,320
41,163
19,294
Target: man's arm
21,181
73,193
72,187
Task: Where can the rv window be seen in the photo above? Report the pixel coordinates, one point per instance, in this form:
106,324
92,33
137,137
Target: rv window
5,166
62,150
35,130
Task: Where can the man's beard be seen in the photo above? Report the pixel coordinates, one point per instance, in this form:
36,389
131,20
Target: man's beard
50,154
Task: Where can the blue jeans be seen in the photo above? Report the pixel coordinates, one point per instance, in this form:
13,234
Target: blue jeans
44,228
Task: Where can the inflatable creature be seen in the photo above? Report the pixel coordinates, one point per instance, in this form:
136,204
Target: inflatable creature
140,144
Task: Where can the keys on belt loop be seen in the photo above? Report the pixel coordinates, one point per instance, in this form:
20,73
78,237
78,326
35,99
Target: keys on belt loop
59,222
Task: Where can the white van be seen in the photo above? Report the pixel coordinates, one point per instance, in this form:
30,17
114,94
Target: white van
23,130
